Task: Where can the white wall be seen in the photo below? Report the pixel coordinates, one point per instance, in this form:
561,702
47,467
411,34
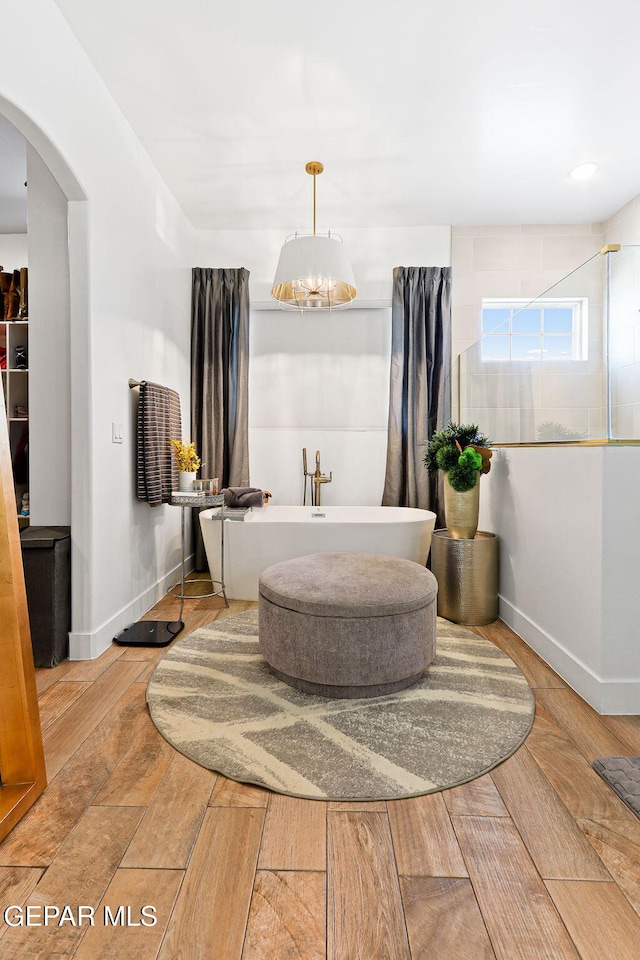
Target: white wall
130,258
545,505
621,563
13,251
568,519
624,225
322,382
49,349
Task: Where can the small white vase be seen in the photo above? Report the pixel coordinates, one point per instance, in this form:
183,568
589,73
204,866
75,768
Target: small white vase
185,481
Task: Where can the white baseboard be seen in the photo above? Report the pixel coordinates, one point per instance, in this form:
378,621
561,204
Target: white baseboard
88,646
620,697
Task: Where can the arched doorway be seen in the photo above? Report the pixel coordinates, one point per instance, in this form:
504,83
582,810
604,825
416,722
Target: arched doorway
59,345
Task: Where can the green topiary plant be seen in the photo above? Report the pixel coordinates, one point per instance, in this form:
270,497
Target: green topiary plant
460,450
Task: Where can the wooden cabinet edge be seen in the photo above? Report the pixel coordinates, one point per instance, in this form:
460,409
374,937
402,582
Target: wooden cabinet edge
22,766
15,800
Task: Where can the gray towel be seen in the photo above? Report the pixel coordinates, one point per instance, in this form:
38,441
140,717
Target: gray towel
243,496
158,421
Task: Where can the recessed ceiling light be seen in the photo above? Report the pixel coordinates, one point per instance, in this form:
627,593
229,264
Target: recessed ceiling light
583,171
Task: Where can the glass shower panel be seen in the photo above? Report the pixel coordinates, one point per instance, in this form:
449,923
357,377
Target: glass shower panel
624,343
539,375
496,393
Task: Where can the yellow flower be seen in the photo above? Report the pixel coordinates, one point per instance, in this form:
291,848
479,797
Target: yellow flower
187,459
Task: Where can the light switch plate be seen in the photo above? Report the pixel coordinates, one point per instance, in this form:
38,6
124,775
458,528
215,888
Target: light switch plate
116,433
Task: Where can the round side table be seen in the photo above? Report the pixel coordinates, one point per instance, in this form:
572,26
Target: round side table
188,502
467,575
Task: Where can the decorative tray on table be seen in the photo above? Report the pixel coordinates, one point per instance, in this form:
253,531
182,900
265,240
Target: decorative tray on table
194,499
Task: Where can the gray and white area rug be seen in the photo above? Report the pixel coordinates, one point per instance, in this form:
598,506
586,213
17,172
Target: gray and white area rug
215,700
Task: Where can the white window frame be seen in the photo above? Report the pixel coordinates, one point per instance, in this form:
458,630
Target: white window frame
579,327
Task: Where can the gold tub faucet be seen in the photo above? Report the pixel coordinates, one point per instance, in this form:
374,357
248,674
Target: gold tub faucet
317,479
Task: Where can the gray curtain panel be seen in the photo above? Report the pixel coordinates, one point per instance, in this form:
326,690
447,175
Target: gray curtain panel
420,388
220,377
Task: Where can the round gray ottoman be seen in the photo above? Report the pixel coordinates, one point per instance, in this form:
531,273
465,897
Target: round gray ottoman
347,624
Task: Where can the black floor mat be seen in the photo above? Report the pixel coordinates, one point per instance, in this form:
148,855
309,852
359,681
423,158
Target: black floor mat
623,774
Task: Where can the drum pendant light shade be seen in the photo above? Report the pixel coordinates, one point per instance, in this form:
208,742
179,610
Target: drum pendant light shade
314,272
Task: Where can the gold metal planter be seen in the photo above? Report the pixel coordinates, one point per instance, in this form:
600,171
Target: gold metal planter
461,510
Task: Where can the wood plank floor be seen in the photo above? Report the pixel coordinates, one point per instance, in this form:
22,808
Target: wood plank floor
537,860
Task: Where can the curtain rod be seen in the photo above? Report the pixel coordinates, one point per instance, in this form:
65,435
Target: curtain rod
134,383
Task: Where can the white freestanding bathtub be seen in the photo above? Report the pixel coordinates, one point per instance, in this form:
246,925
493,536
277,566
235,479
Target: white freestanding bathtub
270,534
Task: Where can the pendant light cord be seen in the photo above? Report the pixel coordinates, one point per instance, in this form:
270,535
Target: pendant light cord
314,204
314,167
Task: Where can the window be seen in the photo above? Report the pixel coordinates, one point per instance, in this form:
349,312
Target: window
517,330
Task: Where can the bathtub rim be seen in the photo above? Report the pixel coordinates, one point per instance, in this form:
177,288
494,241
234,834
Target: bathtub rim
303,514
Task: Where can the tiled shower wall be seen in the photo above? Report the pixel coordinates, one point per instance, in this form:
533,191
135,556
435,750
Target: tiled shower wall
508,401
624,228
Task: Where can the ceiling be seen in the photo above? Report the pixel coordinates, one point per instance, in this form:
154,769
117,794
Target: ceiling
422,113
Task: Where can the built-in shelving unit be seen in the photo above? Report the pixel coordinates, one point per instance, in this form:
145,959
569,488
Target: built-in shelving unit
14,360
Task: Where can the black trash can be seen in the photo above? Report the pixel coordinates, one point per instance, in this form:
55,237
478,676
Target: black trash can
46,558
